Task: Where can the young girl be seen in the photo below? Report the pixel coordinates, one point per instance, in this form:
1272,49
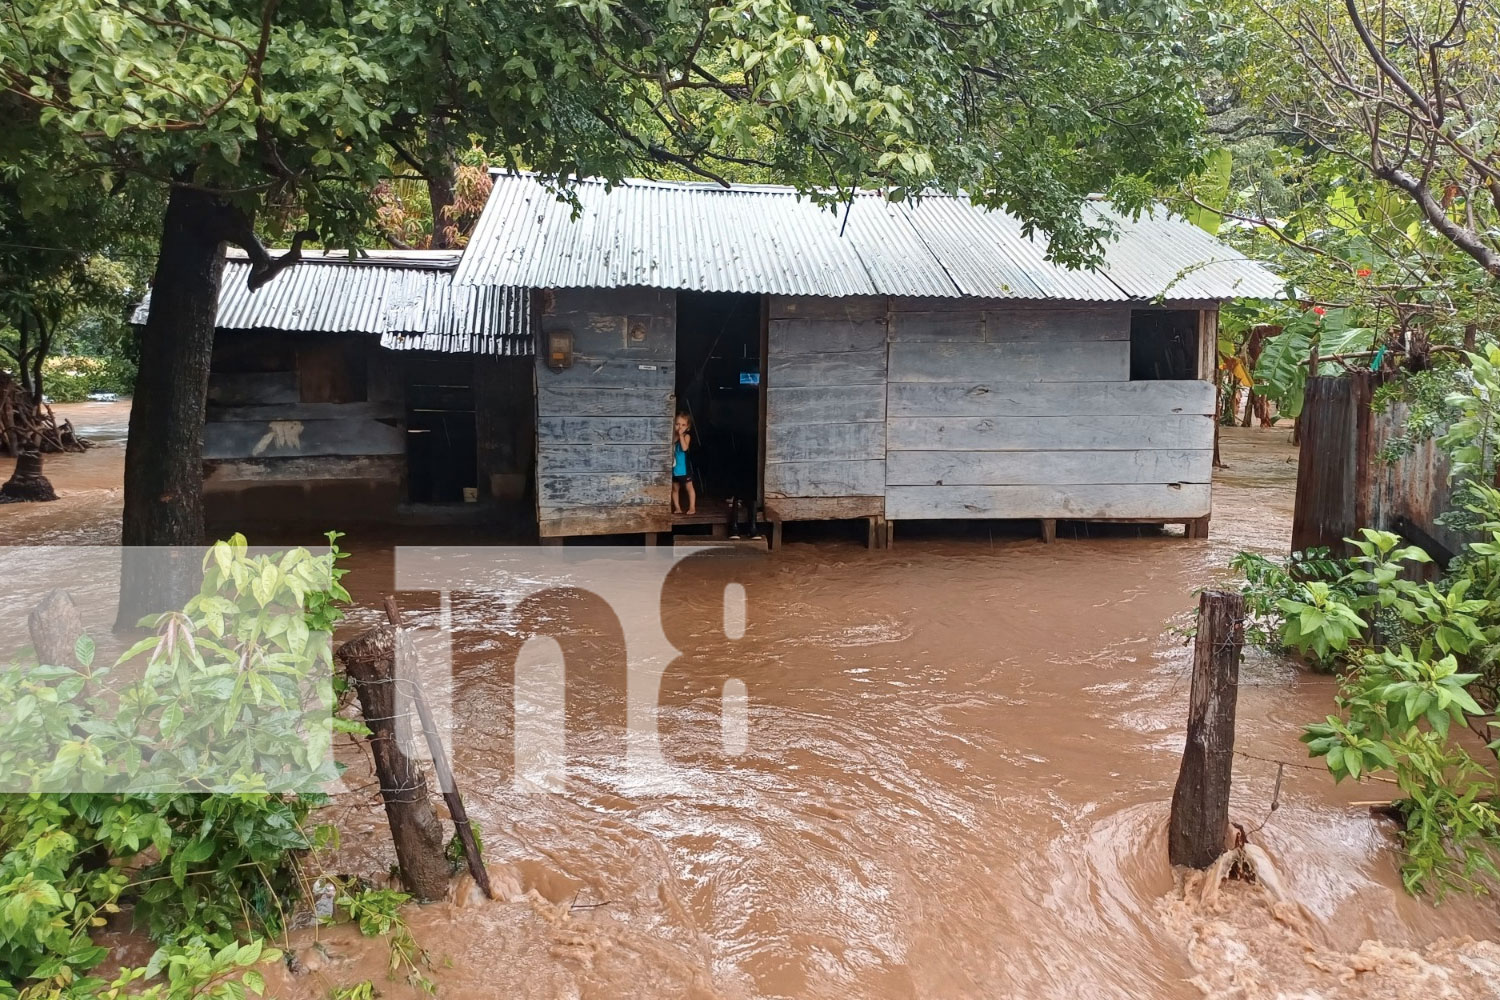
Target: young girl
682,475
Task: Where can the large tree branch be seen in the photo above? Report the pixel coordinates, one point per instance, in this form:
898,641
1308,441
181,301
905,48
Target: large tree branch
238,229
1387,68
1465,239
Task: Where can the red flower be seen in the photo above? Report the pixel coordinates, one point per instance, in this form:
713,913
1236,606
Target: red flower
1320,310
1363,272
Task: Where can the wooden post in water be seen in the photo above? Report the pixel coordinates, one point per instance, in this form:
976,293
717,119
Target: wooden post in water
55,626
370,660
446,784
1200,802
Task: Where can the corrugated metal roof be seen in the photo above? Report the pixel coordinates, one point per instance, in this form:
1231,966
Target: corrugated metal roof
765,239
1161,255
405,297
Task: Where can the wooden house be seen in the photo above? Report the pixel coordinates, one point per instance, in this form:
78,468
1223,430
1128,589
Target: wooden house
888,361
367,390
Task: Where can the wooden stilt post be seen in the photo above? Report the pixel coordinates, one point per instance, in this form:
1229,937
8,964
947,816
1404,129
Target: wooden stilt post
446,782
1049,530
370,661
1200,802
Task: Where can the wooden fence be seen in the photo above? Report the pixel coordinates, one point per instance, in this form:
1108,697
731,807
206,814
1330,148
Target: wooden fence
1344,482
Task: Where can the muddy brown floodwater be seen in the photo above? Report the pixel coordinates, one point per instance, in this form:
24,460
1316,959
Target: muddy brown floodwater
960,755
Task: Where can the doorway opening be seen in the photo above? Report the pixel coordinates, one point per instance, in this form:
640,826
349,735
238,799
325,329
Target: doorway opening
442,445
719,380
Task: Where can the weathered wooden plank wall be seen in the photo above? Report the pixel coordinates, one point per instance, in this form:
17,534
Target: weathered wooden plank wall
825,406
332,401
303,427
1324,512
1409,494
1003,410
1344,482
604,425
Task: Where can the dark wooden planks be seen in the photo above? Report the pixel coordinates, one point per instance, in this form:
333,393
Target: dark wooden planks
789,370
849,308
828,336
604,430
613,519
286,438
576,400
375,468
604,489
612,373
253,388
823,508
565,459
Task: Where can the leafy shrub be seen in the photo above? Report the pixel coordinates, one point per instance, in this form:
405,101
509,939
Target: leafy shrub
214,708
1410,652
70,379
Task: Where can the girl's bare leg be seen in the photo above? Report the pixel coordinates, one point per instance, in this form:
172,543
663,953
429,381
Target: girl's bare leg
676,503
692,495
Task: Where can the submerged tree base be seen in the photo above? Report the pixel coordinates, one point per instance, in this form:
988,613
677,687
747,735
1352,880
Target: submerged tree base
27,484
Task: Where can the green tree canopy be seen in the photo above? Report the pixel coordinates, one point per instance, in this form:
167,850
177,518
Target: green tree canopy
274,116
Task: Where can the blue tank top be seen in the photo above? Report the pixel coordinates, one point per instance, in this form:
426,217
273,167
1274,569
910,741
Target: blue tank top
679,459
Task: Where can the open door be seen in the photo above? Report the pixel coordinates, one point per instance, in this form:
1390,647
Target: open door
719,388
442,444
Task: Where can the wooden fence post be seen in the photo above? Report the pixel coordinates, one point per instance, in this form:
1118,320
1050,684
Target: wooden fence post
446,782
370,661
55,626
1200,802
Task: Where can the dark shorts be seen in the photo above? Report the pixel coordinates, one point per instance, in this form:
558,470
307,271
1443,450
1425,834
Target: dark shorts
679,479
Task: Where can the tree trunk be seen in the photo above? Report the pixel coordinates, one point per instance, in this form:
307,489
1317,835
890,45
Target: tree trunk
440,194
55,627
370,661
1200,802
27,483
164,450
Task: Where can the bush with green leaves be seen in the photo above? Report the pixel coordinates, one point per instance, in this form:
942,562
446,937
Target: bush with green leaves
1419,659
111,773
1408,652
71,379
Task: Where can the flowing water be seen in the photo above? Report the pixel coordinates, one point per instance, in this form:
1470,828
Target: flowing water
959,757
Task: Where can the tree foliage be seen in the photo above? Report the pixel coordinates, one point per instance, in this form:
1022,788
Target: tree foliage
300,108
